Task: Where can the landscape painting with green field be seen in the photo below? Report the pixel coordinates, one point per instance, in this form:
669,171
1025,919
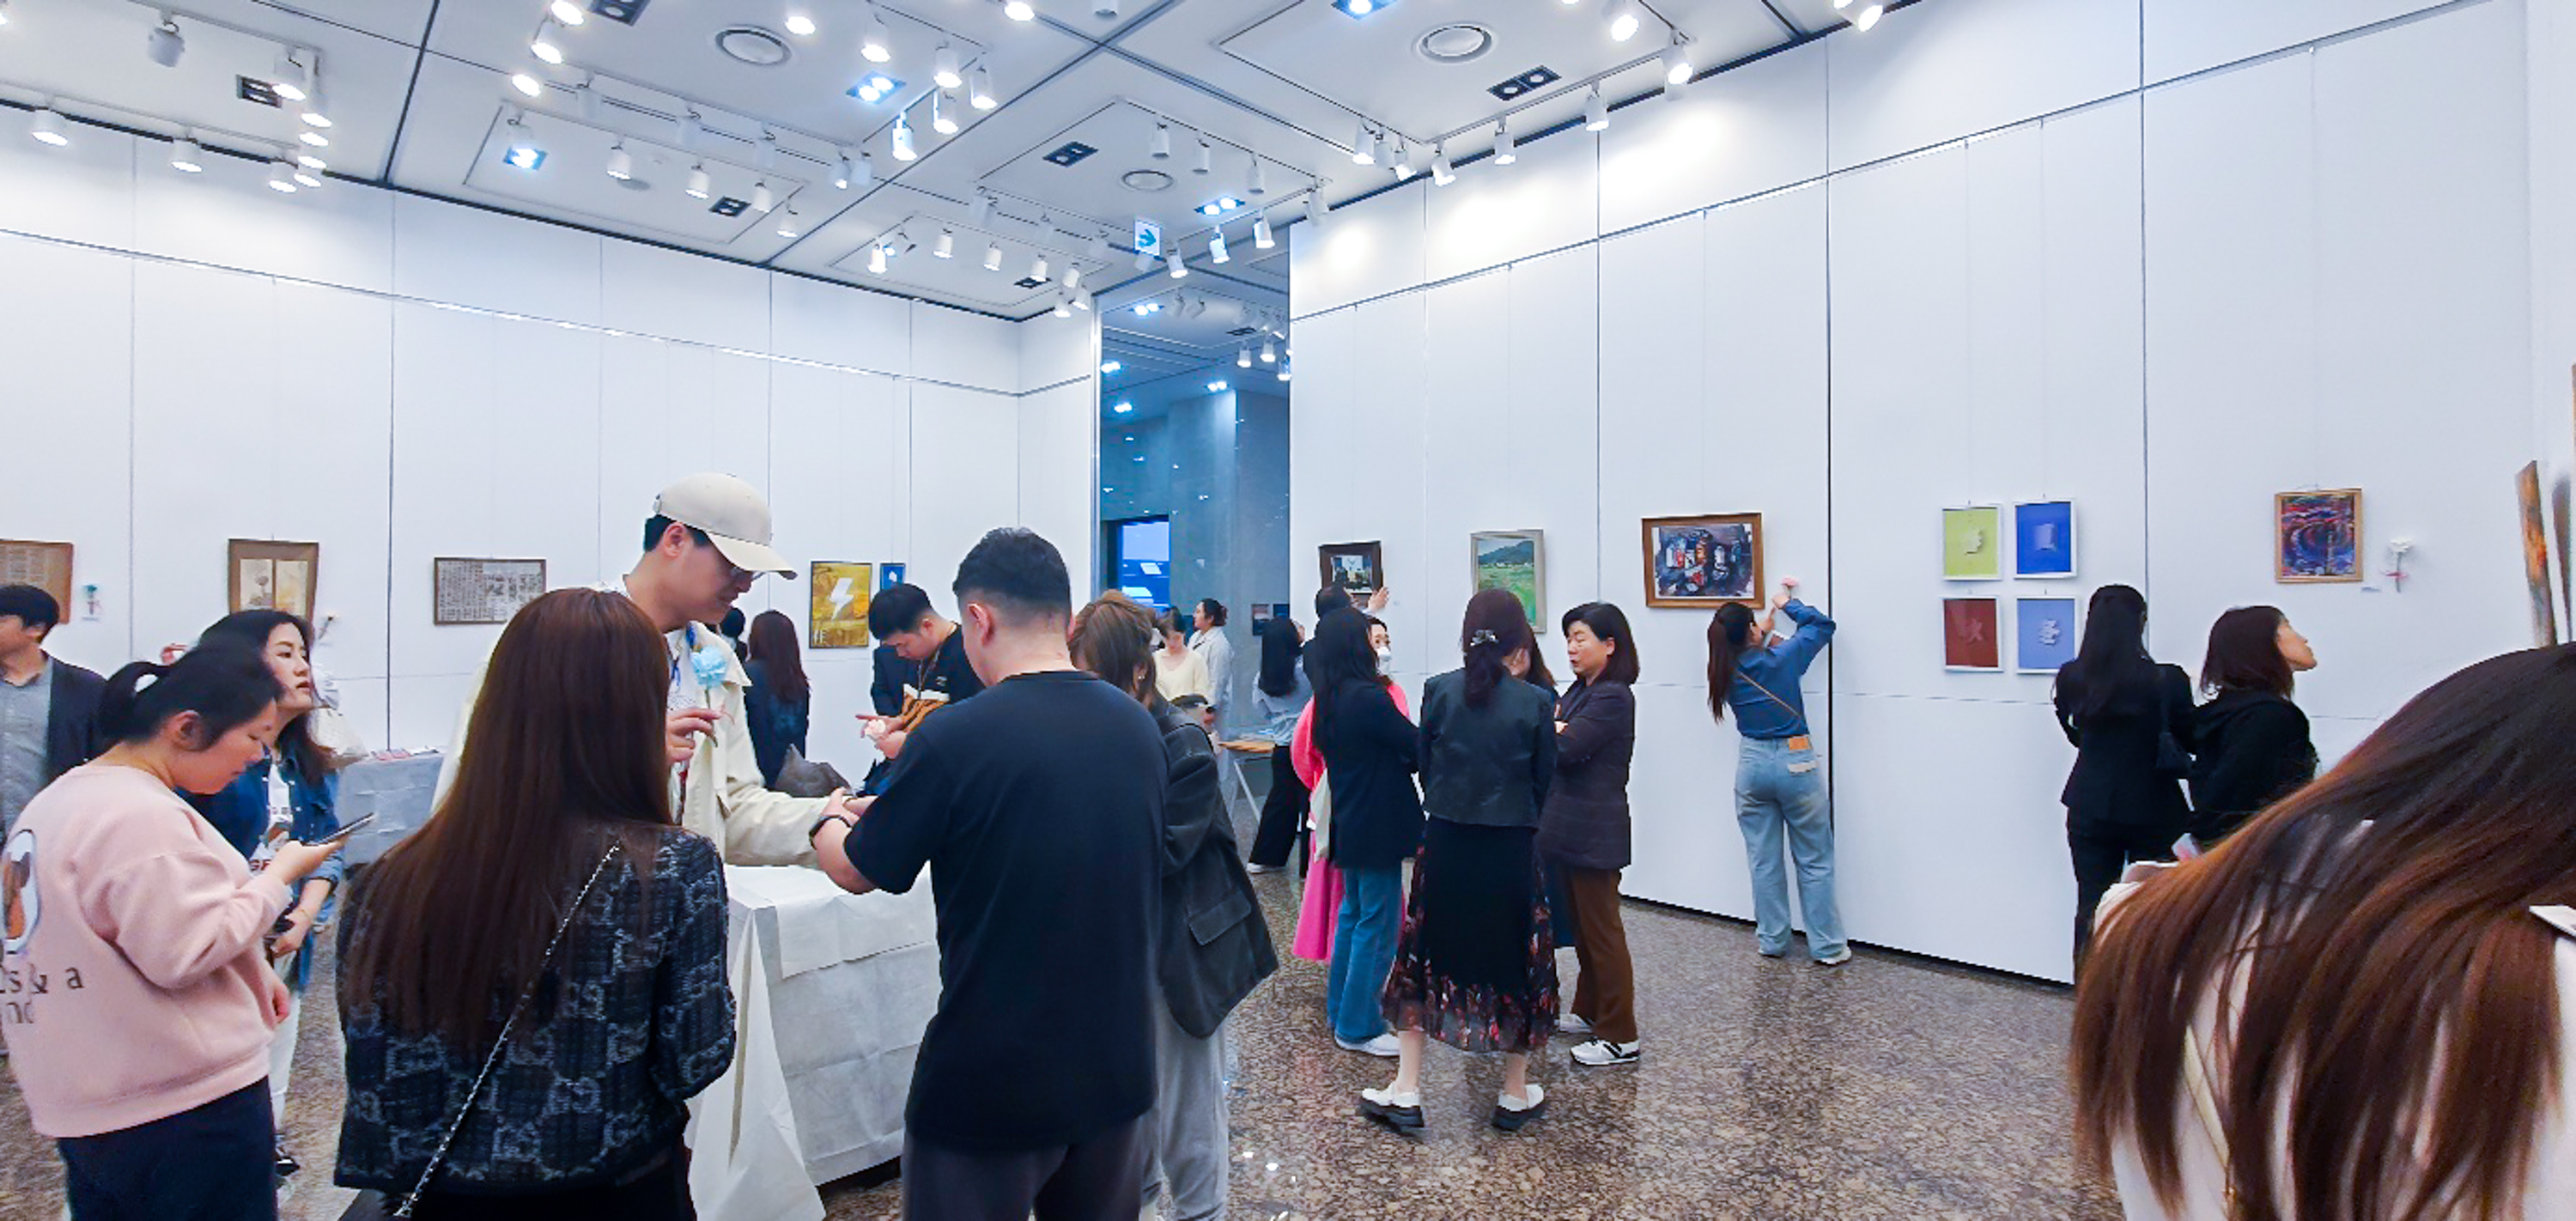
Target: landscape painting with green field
1513,560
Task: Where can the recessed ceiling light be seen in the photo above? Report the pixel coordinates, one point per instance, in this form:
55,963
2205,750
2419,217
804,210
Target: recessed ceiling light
311,162
1455,43
1124,408
1147,309
314,138
1019,10
1216,387
567,12
800,23
1071,153
1110,366
1362,8
524,156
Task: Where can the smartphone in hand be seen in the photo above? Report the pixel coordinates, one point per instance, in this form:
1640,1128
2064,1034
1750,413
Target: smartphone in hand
346,829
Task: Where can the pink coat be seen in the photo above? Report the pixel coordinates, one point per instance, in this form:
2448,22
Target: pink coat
1323,897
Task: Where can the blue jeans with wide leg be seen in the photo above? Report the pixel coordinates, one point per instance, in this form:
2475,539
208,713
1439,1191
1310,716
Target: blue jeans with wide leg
1780,796
1363,951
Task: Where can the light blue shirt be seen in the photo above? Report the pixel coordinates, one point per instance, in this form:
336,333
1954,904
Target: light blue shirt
26,713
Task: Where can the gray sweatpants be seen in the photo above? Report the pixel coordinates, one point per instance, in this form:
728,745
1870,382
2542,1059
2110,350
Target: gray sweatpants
1186,1134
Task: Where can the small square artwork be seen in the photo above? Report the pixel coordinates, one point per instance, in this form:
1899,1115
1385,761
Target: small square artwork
1515,560
1971,634
267,575
1359,569
2316,536
1972,543
2535,556
2047,631
889,575
2044,539
1704,561
465,590
838,615
47,566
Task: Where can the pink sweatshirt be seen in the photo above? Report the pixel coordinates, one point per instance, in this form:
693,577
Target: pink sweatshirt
133,985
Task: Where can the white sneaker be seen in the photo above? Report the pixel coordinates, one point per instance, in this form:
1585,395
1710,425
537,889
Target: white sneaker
1384,1047
1602,1053
1570,1024
1249,868
1840,957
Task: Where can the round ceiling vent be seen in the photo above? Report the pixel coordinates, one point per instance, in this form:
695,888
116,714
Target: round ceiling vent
753,45
1455,43
1146,180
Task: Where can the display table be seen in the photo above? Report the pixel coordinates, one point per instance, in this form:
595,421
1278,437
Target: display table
832,992
396,791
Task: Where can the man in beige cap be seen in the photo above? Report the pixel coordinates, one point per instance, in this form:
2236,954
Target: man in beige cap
706,542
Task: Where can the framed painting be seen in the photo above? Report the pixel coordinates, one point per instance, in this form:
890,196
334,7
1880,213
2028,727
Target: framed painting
1972,543
1358,568
837,617
1515,560
264,574
482,590
889,575
1972,634
2046,631
2316,536
2535,556
47,566
2044,539
1703,561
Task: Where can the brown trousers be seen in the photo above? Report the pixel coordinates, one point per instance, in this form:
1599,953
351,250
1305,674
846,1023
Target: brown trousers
1605,994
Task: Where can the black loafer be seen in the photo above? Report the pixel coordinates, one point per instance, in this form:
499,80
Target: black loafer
1510,1120
1402,1119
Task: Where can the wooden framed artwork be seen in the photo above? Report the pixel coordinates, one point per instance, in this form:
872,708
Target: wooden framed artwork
1703,561
265,574
2316,536
1972,634
1972,543
1515,560
47,566
464,590
2535,556
838,615
1359,569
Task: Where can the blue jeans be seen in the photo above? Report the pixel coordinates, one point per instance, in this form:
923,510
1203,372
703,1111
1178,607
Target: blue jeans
1780,793
1363,951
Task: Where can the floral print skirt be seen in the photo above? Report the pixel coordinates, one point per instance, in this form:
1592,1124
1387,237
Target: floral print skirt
1475,964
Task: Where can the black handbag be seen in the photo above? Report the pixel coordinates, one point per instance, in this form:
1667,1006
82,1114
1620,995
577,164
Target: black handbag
2172,761
371,1205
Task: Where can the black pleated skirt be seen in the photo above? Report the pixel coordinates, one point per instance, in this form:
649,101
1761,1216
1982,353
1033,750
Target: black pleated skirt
1475,964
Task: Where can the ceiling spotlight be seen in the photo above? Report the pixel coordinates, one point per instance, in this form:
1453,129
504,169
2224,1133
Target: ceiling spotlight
1108,367
762,198
980,212
46,125
857,171
941,120
311,162
1623,20
1144,260
1216,246
164,44
1038,270
569,13
1180,270
1160,149
1147,309
621,164
1063,305
1099,250
4,12
1315,208
944,246
1019,10
1505,151
992,256
309,176
1596,112
290,74
1441,173
1261,238
877,258
1269,352
1104,8
800,23
1283,373
186,156
313,116
1218,386
874,43
1258,184
1869,17
979,89
1194,307
699,186
787,226
1072,276
1243,358
281,178
1364,146
314,138
1082,301
1402,160
945,72
1677,61
1123,408
1206,154
543,45
902,137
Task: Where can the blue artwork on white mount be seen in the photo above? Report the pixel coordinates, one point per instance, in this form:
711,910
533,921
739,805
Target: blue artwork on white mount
2044,539
2047,630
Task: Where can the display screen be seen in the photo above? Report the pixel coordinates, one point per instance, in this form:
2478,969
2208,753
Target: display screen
1145,561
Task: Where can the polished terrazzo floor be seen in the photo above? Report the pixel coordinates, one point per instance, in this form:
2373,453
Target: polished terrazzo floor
1886,1088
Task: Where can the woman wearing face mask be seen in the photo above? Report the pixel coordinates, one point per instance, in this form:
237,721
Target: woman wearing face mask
145,1052
294,788
2252,743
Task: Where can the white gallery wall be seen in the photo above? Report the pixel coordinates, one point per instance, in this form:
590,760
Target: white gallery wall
190,359
2165,258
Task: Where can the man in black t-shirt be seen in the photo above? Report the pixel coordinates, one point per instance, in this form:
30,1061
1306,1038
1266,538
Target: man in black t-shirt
1038,808
901,616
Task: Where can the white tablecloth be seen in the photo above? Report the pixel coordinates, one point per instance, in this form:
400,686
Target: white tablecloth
832,992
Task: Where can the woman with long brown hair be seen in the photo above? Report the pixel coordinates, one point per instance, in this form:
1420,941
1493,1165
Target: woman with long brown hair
550,917
780,701
2349,1010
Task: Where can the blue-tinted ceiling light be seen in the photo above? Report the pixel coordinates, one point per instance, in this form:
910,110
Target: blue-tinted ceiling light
1362,8
524,157
1110,366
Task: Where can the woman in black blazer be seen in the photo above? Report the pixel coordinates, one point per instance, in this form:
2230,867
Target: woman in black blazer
2252,746
2120,709
1371,752
1584,832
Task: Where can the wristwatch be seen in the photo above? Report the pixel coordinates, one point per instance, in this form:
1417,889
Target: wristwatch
838,815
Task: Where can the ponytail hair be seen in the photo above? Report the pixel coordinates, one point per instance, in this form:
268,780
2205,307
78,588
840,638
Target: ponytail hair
226,683
1730,632
1494,627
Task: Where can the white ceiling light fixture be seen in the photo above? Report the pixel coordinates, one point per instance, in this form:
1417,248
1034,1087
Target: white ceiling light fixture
1104,8
800,23
567,12
310,161
1072,276
1869,17
1039,271
4,12
1283,373
787,226
944,246
1243,358
1206,160
289,72
1160,147
979,89
165,44
543,44
1442,174
874,43
941,120
1364,146
945,73
1063,305
1315,208
1144,260
527,84
1596,112
855,171
186,156
1019,10
309,176
699,185
1400,159
1258,183
980,212
1269,352
762,198
1216,246
314,138
621,164
47,126
1677,62
281,177
1623,20
1082,301
1261,236
1505,150
992,256
1179,269
877,258
902,137
691,127
312,112
1099,250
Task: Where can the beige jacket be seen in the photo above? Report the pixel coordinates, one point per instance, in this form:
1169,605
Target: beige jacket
723,798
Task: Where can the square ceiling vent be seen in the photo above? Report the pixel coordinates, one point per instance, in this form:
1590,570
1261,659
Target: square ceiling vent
623,12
